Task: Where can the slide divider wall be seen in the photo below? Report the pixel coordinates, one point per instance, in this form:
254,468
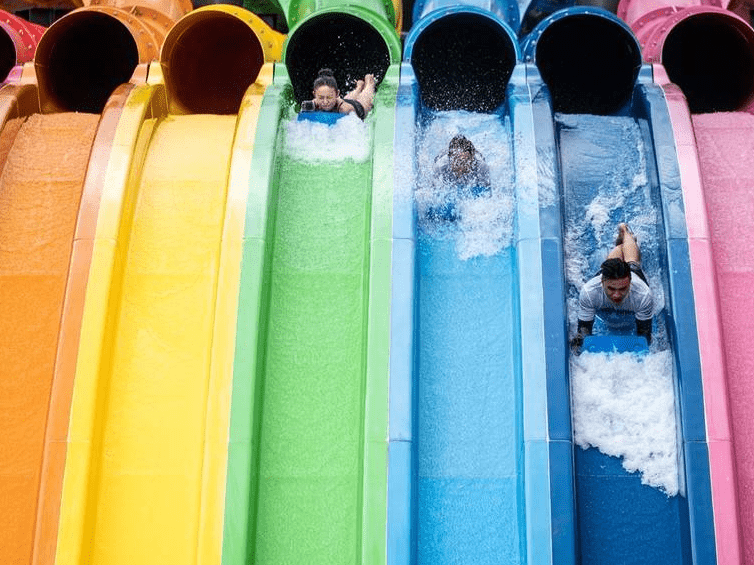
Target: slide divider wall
683,328
56,433
532,358
559,434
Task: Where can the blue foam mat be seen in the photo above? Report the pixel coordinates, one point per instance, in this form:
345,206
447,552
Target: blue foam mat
615,344
328,118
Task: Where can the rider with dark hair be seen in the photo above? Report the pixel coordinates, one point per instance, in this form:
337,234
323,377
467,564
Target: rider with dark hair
459,173
327,95
620,286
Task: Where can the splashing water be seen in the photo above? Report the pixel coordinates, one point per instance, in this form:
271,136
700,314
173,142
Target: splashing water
349,138
485,223
623,405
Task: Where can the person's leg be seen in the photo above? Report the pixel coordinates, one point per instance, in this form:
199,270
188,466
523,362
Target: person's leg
616,252
366,95
630,249
358,89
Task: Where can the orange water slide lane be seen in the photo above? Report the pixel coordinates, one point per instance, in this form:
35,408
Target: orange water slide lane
40,190
147,446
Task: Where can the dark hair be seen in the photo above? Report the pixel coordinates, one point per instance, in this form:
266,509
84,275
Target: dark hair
325,77
460,142
615,268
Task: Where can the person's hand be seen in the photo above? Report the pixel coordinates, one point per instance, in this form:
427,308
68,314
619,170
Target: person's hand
576,343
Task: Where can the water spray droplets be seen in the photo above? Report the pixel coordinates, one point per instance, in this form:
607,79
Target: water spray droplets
481,225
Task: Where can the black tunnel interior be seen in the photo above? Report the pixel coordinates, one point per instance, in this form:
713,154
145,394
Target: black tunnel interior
348,45
709,56
213,63
589,64
7,54
85,58
463,62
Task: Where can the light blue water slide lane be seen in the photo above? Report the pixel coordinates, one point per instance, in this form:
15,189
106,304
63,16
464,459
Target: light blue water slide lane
469,476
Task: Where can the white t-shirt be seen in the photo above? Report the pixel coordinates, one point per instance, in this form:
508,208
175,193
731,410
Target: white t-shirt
592,299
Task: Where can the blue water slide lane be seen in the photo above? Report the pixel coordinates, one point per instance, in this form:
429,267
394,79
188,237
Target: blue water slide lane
617,518
548,536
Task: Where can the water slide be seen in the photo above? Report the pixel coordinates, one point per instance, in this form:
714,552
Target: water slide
307,461
145,475
42,436
623,161
595,511
45,178
469,454
18,42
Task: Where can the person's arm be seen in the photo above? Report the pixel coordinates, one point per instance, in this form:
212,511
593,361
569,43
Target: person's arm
349,105
584,329
481,179
586,314
644,327
484,174
644,314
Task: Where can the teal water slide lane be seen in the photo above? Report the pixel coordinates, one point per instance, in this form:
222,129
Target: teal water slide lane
469,455
307,473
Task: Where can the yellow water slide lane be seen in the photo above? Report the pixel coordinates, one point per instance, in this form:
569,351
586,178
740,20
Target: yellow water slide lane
145,472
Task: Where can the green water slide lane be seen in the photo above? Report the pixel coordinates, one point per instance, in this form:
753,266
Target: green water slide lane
307,470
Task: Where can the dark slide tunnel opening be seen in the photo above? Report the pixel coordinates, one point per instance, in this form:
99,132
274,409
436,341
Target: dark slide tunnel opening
589,63
85,59
7,54
710,57
212,64
463,62
344,43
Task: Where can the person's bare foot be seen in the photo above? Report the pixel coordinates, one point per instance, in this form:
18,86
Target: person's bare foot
623,229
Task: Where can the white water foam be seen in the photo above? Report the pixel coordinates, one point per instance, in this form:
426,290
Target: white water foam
349,138
623,404
486,222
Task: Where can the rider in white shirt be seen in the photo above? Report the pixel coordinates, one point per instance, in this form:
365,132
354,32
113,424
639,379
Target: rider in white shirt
619,288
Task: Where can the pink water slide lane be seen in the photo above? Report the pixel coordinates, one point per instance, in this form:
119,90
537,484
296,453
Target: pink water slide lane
702,186
725,144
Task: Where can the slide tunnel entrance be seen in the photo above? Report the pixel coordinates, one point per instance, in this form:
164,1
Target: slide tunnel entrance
344,43
589,63
710,57
84,59
7,54
463,62
212,63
